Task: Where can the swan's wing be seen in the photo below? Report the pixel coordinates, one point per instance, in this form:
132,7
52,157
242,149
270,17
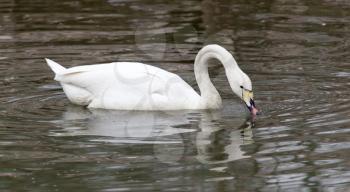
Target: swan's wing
126,85
174,93
64,74
79,82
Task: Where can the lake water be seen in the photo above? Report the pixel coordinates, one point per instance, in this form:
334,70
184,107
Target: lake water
296,53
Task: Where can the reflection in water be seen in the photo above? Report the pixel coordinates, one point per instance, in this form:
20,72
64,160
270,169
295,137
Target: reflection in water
215,142
296,52
122,125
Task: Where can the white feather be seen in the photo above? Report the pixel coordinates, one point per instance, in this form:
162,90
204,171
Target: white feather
137,86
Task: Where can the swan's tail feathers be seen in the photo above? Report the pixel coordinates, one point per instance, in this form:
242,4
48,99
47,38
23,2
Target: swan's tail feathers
57,68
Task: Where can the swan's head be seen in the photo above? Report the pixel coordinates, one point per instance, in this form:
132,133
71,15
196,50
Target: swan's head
239,81
242,87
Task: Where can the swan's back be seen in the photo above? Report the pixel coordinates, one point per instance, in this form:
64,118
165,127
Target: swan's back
125,86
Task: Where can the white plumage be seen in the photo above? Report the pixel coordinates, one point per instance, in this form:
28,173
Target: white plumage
137,86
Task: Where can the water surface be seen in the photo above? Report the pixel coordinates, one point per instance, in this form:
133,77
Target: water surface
296,53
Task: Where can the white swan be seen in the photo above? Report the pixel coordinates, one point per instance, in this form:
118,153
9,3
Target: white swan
137,86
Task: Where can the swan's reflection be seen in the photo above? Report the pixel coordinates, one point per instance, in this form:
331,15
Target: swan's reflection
217,136
221,142
122,125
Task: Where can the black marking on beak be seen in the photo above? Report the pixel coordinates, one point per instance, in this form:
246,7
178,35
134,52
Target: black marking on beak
252,105
250,108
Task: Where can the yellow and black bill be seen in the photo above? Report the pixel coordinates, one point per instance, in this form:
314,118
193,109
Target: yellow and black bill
248,98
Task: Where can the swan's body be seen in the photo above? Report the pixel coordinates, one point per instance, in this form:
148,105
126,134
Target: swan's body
137,86
126,86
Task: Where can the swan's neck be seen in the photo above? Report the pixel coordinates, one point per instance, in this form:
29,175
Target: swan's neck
210,97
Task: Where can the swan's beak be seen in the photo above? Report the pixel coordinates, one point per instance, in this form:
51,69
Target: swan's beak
249,101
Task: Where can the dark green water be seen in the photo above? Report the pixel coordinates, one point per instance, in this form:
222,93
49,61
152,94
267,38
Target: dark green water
296,53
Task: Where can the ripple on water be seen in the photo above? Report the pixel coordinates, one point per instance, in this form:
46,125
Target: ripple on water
273,132
332,147
281,147
295,53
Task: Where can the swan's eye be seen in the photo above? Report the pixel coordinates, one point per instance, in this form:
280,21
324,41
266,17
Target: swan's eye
241,86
